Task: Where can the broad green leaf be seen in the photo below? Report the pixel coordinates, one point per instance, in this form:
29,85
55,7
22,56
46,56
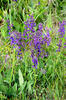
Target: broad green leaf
21,80
29,87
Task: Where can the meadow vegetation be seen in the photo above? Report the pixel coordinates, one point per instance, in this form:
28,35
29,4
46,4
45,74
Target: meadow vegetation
32,49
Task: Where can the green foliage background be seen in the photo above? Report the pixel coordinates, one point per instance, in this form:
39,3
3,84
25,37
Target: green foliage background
18,80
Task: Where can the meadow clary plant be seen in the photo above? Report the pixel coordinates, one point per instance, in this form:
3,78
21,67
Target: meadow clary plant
35,40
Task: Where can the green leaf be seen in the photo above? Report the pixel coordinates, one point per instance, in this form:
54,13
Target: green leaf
11,91
1,80
29,86
3,88
15,88
21,80
0,18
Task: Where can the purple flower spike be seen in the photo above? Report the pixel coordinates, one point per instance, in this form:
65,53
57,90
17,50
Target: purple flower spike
64,45
39,2
61,29
61,35
35,61
33,66
29,27
14,0
40,26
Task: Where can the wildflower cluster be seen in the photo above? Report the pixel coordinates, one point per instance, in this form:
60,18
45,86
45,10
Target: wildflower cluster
35,40
61,35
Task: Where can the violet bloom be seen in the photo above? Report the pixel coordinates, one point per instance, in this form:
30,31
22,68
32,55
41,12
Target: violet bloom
9,28
37,48
40,27
14,0
65,43
61,35
12,40
47,39
39,3
15,37
29,27
8,25
35,62
32,53
59,45
38,41
61,29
